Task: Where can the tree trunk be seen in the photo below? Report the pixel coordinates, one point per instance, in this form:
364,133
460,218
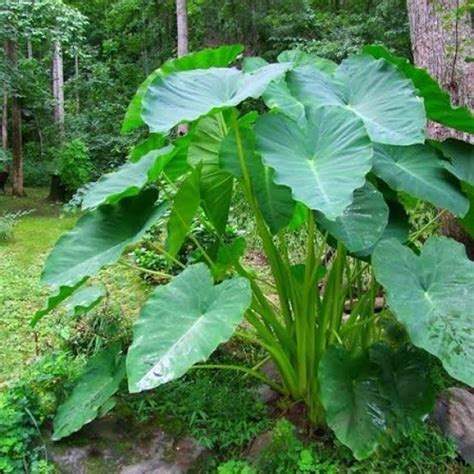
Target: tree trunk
76,77
58,87
441,36
18,190
5,105
182,24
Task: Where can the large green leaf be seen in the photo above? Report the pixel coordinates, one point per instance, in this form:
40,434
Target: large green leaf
372,89
461,157
467,222
128,180
380,394
185,205
437,101
418,171
183,323
218,57
323,163
274,200
188,95
431,295
355,408
100,380
100,237
216,184
152,143
362,223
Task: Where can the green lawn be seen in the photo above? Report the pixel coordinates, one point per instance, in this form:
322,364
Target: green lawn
20,291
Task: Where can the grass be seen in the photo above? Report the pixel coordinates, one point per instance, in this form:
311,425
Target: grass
21,293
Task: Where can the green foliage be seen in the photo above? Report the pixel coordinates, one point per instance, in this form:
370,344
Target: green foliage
74,165
236,467
218,408
363,120
7,225
26,405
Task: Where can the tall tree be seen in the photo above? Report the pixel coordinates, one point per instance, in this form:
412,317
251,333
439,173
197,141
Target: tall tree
182,24
17,141
441,35
58,86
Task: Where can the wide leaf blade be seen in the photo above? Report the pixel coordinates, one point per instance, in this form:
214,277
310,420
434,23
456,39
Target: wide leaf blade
183,323
212,57
100,237
418,171
437,101
188,95
322,163
128,180
100,380
431,295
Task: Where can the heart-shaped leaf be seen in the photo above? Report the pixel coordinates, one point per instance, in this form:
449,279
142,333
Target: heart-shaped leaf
431,295
382,393
188,95
100,237
418,171
128,180
362,223
437,101
323,163
369,88
461,157
100,380
183,323
212,57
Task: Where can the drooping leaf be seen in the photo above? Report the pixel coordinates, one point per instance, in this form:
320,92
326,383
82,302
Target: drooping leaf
371,397
372,89
85,299
437,101
183,323
128,180
185,205
418,171
100,237
322,163
188,95
216,184
274,200
362,223
461,157
62,293
277,96
431,295
100,380
355,409
152,143
218,57
467,222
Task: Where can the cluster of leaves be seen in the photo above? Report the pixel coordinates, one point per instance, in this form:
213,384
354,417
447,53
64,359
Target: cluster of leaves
7,225
26,405
73,164
332,156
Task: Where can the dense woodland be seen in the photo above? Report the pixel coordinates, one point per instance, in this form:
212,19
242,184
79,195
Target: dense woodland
236,236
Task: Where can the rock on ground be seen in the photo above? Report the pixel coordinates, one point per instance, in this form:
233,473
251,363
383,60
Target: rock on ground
454,414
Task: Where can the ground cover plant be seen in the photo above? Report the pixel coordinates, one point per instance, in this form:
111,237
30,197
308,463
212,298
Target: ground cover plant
335,154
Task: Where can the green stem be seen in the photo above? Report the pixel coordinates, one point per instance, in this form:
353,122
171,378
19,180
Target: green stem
146,270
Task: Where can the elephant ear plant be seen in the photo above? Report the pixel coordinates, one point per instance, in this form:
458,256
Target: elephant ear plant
336,150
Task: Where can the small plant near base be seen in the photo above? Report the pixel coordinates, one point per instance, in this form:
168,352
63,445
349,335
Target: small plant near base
338,148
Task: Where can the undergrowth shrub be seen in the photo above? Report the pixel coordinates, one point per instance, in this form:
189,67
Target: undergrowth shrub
74,164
